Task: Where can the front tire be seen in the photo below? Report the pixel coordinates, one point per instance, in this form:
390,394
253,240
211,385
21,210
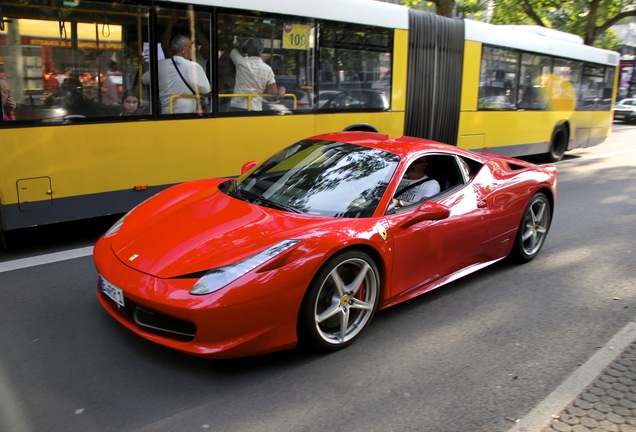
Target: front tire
340,301
533,228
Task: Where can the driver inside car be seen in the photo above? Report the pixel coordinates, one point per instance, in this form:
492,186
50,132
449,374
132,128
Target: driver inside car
416,186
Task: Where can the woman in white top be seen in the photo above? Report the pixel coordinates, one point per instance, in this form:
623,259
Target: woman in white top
253,76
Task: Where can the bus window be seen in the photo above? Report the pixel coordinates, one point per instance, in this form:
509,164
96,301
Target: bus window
593,89
565,85
535,70
608,88
183,55
355,67
498,79
70,64
245,82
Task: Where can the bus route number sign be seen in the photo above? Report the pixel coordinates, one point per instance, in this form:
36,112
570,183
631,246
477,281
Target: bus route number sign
296,36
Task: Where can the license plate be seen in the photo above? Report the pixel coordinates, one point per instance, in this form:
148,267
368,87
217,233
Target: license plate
619,116
115,294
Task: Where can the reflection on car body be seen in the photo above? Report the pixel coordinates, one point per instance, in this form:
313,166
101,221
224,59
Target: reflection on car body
356,99
500,102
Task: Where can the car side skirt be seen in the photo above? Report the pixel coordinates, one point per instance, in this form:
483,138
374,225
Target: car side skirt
438,283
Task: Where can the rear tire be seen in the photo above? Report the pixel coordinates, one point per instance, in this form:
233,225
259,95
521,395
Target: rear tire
340,302
558,144
533,228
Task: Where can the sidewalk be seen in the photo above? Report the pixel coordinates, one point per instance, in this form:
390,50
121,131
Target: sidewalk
599,396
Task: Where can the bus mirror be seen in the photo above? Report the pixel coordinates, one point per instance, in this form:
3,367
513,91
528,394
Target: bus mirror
248,166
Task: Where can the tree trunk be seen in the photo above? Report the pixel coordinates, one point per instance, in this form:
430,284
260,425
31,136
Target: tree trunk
590,26
444,7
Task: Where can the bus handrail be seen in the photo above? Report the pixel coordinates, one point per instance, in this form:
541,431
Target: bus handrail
249,97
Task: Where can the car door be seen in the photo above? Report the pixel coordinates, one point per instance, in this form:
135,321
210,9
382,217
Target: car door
429,251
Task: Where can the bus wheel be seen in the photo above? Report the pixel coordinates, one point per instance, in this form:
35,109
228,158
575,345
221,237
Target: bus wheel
558,144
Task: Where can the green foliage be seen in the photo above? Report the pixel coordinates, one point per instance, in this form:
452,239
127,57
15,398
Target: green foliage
609,41
590,19
472,8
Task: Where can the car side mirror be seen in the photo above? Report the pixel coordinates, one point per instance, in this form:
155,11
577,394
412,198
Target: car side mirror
248,166
427,211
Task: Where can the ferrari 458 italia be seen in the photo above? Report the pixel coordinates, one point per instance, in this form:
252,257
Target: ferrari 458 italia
307,245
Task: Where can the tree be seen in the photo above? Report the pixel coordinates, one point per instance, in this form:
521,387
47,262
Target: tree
590,19
444,7
447,7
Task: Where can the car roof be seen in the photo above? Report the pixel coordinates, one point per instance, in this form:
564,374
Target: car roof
402,146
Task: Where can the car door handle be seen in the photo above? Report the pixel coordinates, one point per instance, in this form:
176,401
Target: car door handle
481,204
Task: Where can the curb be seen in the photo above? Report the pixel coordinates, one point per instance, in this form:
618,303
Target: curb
545,413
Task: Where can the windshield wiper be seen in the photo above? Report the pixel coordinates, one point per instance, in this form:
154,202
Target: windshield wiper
235,192
276,205
257,199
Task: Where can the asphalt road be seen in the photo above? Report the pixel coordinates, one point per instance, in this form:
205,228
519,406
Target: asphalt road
471,357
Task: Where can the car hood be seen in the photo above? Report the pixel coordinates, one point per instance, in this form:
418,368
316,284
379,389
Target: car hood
208,232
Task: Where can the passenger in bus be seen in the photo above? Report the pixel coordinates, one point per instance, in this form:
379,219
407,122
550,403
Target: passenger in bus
253,76
71,98
130,105
172,29
8,103
522,102
416,186
180,76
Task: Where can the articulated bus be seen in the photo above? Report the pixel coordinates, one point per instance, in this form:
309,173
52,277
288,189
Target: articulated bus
70,150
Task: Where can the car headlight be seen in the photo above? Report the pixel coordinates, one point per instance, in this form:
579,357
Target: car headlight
217,278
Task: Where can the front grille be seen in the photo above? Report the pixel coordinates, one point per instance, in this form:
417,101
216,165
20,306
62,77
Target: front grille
156,322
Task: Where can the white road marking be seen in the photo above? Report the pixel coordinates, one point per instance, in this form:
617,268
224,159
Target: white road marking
45,259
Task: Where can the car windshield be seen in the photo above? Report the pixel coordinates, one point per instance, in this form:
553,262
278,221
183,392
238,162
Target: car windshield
323,178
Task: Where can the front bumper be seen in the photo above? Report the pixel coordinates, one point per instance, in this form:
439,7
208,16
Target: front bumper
254,315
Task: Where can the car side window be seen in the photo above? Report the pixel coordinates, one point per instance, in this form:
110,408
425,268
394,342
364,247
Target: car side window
449,171
469,167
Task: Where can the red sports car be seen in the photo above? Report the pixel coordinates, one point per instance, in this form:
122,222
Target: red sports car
310,243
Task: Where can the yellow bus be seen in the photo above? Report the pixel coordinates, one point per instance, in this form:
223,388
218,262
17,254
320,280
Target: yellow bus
71,151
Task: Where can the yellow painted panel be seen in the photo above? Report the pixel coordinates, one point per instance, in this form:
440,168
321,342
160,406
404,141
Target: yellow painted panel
505,128
472,142
470,78
87,159
400,66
